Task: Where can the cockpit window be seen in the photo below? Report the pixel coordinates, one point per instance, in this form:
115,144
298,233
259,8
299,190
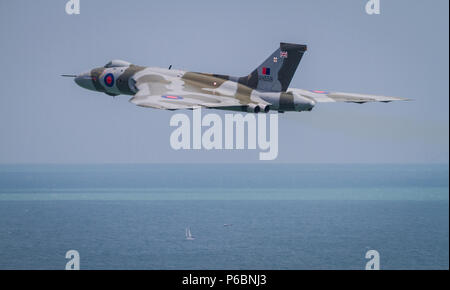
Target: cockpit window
117,63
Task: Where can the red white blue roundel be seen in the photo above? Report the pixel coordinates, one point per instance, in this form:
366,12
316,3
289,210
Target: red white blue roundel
109,80
319,92
173,97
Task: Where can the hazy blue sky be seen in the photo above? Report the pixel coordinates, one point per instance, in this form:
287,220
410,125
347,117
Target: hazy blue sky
402,52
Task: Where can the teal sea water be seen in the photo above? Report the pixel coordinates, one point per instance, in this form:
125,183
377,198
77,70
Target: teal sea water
282,216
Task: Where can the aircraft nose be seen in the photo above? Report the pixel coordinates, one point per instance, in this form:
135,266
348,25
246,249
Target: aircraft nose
84,80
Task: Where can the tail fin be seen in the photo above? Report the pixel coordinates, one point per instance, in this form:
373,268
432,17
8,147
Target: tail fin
276,72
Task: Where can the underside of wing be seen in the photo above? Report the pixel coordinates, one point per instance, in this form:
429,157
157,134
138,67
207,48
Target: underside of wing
183,100
327,97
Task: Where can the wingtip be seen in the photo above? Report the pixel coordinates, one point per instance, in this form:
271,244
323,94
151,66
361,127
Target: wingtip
392,99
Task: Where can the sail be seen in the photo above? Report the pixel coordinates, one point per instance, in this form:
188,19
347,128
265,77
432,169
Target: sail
188,234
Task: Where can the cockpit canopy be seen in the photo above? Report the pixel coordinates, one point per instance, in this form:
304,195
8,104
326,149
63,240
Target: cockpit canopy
117,63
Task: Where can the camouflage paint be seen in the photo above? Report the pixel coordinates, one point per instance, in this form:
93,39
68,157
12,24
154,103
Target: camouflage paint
264,88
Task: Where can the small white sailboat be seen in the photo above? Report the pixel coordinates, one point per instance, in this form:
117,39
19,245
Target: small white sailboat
189,235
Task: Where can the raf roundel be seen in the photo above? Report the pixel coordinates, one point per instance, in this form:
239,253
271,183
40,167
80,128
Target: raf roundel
319,92
109,80
173,97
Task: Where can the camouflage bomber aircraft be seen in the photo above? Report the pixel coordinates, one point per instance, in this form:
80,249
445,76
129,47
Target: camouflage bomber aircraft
264,89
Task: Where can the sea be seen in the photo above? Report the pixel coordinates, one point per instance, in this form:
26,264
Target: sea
246,216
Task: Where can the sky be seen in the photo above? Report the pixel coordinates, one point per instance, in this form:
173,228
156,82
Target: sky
402,52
